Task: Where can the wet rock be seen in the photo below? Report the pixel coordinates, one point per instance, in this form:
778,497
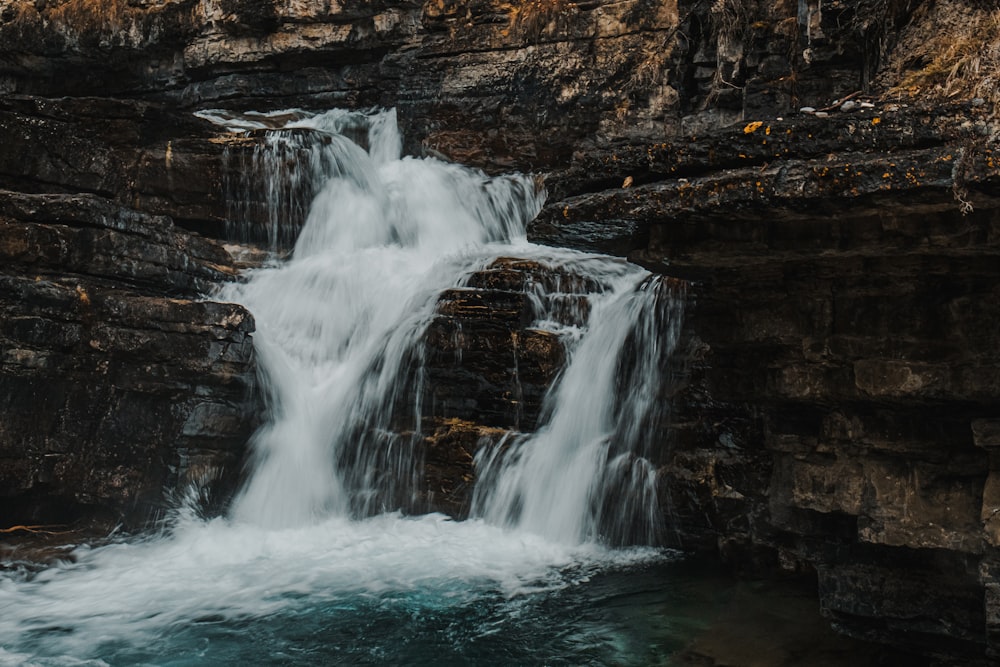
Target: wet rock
449,474
487,368
140,154
120,386
486,362
839,418
85,235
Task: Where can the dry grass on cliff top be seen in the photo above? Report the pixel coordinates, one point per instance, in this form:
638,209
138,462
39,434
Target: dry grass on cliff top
533,18
111,21
107,15
956,56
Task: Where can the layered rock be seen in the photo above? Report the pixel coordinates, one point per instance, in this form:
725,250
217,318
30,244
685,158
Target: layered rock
142,155
486,360
844,331
833,417
487,367
486,82
120,387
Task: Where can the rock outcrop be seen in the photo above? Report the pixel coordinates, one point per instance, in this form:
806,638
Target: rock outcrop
118,384
488,368
837,418
840,412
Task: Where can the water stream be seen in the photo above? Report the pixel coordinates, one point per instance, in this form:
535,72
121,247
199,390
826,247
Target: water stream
339,336
315,563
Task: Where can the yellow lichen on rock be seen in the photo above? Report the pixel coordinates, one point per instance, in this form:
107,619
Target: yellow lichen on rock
82,294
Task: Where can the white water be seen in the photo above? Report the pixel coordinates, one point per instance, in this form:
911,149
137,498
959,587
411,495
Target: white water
584,475
338,338
130,594
338,324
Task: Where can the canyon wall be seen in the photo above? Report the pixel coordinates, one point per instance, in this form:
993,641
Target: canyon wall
836,407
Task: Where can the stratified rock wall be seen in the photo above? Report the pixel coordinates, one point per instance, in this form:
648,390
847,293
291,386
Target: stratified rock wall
117,384
833,417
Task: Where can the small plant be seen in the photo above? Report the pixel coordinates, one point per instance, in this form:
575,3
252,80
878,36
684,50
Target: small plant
732,23
733,20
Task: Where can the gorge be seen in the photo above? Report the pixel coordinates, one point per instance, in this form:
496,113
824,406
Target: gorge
340,328
830,408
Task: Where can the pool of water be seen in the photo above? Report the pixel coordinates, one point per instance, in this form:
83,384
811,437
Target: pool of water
393,590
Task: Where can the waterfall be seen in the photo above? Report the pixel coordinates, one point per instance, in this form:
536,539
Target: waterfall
586,473
316,562
270,187
339,321
339,329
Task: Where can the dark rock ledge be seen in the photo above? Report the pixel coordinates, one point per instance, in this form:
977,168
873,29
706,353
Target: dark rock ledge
119,385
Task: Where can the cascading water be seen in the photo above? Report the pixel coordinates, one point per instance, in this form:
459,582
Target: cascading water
308,542
585,474
339,323
339,328
270,189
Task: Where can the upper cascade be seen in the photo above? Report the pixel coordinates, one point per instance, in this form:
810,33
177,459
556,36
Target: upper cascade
337,180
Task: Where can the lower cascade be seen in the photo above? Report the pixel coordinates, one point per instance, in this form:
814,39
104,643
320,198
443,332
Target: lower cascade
323,540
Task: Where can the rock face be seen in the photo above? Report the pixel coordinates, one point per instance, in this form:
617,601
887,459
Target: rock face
840,413
138,154
116,383
847,399
485,362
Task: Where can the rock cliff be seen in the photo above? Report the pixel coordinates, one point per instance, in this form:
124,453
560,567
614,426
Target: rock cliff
823,173
116,382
